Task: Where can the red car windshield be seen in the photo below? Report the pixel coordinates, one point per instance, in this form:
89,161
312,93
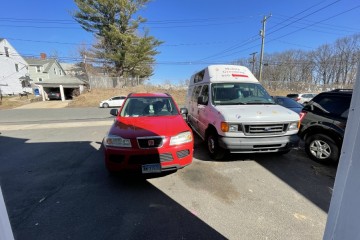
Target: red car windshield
148,106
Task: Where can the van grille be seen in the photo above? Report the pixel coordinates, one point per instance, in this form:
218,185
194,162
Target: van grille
265,129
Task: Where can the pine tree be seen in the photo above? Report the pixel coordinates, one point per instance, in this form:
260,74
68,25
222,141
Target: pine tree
120,47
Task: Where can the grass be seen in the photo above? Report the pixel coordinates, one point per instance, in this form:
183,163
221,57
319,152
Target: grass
9,102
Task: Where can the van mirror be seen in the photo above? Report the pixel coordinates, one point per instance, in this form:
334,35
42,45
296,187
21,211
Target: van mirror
202,100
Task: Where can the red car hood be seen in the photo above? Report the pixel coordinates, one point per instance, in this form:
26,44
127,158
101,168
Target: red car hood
132,127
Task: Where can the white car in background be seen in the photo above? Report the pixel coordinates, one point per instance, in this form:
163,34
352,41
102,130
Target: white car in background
302,98
116,101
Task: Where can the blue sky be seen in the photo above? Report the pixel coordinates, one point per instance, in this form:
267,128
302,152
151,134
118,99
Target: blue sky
196,33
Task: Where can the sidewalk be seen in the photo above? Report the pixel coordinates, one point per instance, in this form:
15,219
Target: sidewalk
45,104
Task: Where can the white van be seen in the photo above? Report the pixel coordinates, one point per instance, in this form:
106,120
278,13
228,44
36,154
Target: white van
231,111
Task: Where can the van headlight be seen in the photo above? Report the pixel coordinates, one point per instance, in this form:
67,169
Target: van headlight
228,127
293,126
117,141
181,138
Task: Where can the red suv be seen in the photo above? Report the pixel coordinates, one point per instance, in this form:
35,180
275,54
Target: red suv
149,135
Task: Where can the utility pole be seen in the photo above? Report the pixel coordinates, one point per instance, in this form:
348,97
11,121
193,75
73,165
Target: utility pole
86,73
253,61
262,34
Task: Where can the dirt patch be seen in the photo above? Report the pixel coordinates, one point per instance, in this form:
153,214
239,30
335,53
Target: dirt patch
10,102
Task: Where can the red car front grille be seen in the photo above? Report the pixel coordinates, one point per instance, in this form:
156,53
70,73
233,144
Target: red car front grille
150,142
150,158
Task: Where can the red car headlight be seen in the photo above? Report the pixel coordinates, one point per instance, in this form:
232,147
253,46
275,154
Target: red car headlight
181,138
117,141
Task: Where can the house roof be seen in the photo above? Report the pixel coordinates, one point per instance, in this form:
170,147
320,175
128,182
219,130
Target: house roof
50,63
38,62
68,66
66,81
46,63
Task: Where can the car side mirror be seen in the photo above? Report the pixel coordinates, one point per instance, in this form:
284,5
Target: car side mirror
184,112
114,112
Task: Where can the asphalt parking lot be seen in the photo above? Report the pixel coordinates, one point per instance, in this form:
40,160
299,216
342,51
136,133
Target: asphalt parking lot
56,187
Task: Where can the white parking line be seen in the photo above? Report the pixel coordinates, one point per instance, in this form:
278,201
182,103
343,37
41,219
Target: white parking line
55,125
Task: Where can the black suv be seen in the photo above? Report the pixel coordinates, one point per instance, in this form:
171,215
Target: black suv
323,122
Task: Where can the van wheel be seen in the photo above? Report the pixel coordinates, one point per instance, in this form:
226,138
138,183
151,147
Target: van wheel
321,148
215,151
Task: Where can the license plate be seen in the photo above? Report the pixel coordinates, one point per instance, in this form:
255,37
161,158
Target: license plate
151,168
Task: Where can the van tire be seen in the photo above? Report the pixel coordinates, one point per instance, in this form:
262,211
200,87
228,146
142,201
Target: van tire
212,144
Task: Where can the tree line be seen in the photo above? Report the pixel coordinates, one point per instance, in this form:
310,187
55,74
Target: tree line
327,67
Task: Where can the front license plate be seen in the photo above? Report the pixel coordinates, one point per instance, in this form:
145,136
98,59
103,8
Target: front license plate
151,168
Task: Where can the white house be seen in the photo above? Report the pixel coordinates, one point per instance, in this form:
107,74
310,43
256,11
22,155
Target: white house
13,70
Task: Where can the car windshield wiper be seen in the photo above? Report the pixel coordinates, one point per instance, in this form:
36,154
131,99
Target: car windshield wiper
267,103
232,103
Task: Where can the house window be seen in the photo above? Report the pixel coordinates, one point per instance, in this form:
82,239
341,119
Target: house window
40,79
60,72
6,51
38,68
16,67
54,71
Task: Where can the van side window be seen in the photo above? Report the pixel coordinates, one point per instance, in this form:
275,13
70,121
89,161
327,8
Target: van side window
199,76
190,91
196,93
205,93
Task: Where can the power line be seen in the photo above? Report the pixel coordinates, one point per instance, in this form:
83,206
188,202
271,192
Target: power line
276,30
310,25
255,37
50,42
40,27
89,44
324,25
326,19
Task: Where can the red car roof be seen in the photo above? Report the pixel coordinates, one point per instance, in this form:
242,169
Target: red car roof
149,95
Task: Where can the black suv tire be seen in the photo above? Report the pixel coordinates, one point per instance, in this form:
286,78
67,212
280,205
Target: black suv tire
321,148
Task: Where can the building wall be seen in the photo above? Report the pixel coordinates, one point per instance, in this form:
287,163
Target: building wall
34,75
9,75
54,71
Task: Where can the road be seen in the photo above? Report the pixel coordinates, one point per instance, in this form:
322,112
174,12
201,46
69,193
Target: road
56,187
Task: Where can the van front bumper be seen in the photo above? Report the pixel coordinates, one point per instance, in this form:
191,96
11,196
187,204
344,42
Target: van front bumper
259,144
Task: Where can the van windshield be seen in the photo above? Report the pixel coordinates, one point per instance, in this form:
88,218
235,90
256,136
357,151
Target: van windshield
239,93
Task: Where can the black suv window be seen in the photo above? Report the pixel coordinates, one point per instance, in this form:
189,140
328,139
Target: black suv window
334,105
